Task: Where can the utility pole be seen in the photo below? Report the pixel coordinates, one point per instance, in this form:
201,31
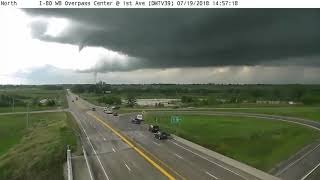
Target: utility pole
12,104
27,115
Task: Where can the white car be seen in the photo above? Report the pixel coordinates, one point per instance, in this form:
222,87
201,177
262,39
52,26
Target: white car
139,117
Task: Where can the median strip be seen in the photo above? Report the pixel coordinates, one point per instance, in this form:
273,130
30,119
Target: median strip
140,152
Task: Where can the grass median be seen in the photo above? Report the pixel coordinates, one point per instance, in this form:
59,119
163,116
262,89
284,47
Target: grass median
259,143
37,152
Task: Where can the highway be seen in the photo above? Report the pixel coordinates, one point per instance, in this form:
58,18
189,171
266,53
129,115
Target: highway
121,150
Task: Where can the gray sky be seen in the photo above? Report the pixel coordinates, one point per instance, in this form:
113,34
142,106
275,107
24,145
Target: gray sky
42,46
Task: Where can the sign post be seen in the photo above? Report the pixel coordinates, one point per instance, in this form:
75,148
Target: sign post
175,120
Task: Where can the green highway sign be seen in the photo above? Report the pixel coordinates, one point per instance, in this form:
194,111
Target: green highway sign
175,119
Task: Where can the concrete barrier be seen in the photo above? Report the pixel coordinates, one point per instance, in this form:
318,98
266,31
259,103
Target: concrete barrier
229,161
69,165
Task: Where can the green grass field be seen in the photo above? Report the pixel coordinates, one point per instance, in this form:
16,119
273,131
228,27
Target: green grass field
311,113
28,94
259,143
38,152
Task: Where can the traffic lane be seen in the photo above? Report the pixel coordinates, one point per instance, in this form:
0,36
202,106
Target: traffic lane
188,164
303,167
122,158
108,137
314,174
180,165
142,136
99,172
191,168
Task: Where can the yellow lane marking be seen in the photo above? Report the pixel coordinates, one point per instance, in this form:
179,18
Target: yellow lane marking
154,157
140,152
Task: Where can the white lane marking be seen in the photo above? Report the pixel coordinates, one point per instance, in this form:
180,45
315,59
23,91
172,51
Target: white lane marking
209,160
211,175
127,166
104,139
113,150
87,162
291,164
104,171
178,156
156,143
304,177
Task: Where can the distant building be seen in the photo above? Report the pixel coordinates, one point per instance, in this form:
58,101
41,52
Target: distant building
107,92
153,102
268,102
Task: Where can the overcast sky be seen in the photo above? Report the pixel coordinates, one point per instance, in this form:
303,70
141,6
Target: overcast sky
43,46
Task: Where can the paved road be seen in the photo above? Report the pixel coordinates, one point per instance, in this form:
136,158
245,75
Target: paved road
304,164
115,159
111,158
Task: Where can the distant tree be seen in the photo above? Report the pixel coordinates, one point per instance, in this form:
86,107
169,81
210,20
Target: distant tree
78,88
112,100
187,99
132,101
51,102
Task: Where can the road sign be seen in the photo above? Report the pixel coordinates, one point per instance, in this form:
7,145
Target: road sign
175,119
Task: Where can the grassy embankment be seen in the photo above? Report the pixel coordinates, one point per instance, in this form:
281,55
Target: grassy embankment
37,152
259,143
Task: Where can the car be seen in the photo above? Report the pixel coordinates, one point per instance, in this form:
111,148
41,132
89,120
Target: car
72,100
135,121
161,135
115,113
109,111
93,109
139,116
154,128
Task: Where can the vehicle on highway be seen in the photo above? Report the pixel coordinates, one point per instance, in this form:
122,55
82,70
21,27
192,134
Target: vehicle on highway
107,110
161,135
115,113
76,98
154,128
139,116
72,100
135,121
93,109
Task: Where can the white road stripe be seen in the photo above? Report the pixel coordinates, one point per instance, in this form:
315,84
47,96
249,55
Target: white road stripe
209,160
304,177
127,166
291,164
113,150
156,143
211,175
104,171
178,156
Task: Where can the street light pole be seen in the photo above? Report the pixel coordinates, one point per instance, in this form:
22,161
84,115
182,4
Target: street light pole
27,115
12,104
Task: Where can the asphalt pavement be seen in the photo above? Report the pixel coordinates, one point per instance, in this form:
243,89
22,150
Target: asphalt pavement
143,156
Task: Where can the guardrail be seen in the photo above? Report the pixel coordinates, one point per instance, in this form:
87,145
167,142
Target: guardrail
69,164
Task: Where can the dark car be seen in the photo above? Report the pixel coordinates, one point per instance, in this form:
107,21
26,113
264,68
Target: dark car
161,135
153,128
135,121
115,113
93,109
72,100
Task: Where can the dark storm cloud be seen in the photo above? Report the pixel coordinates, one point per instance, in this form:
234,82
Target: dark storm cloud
165,38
